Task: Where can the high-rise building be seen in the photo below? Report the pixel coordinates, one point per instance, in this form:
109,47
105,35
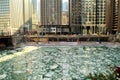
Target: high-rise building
115,16
15,15
51,14
100,16
4,15
119,17
88,16
109,15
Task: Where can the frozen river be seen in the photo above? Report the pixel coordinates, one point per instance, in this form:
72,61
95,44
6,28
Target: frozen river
57,63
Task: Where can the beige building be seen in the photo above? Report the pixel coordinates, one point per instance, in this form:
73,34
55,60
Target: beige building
65,18
16,16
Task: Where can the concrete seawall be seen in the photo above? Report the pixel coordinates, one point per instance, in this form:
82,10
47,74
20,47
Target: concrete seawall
6,41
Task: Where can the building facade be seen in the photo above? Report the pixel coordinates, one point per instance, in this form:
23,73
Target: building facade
113,16
51,12
4,15
51,15
88,16
119,17
15,16
115,25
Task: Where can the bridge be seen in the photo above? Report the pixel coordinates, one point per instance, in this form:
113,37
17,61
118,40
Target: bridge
11,41
69,38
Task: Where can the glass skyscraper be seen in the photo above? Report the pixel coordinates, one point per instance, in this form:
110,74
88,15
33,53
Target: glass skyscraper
4,15
14,15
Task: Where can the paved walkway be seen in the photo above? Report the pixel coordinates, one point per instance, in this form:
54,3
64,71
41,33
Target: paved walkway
109,44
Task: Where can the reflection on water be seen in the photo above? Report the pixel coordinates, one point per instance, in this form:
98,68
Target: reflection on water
58,63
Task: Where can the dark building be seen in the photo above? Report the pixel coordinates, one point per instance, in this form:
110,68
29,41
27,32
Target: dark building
51,12
119,17
115,26
51,15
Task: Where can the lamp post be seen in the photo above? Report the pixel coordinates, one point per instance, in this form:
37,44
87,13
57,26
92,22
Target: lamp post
98,25
5,29
94,5
10,28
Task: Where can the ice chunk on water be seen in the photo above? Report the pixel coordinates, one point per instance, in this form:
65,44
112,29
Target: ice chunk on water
49,74
2,76
54,66
47,79
19,72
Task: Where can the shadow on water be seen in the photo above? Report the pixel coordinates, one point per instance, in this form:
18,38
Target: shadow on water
14,64
9,50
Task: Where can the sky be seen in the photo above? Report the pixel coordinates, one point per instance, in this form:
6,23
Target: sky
64,5
65,1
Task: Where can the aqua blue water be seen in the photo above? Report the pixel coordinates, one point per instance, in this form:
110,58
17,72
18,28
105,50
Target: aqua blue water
59,63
